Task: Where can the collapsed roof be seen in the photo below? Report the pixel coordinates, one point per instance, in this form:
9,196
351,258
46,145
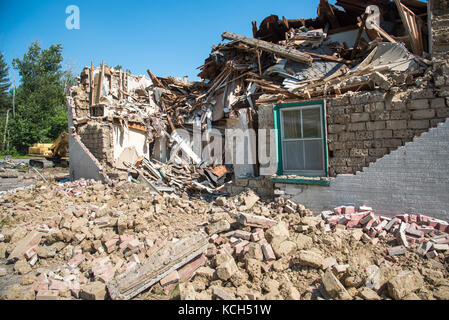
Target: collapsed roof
362,47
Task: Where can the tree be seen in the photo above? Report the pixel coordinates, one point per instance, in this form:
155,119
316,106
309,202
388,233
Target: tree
119,67
4,100
41,113
4,83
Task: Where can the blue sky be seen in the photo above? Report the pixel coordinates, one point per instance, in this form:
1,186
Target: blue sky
169,37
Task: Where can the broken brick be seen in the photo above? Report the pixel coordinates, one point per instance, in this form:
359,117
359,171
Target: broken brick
171,278
188,270
268,252
395,251
47,295
76,260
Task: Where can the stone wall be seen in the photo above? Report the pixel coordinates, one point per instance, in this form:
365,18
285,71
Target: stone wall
439,11
97,138
364,127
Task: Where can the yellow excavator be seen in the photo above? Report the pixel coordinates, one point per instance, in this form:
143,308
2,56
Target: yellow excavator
56,152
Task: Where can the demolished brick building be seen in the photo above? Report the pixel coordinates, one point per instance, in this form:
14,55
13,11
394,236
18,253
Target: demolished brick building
368,84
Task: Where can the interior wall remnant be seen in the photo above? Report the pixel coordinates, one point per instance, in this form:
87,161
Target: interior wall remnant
124,137
267,138
240,146
160,149
83,163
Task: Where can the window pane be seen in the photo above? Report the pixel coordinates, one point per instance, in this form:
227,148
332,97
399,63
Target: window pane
311,122
293,155
314,154
292,124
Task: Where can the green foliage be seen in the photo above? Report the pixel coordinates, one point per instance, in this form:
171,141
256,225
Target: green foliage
119,67
41,113
10,152
68,80
4,83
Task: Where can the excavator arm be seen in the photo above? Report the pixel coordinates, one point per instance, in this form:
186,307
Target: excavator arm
59,147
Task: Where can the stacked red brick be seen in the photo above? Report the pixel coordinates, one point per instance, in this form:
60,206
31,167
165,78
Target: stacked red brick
417,232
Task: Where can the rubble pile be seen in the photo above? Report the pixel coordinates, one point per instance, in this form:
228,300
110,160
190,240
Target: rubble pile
363,46
87,240
336,255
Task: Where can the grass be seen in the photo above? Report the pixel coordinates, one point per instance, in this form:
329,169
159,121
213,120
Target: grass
2,223
2,156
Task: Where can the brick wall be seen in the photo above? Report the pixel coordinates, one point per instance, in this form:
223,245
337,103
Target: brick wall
364,127
97,138
260,185
412,179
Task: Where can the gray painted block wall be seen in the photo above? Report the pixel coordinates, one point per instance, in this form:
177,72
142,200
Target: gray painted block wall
411,179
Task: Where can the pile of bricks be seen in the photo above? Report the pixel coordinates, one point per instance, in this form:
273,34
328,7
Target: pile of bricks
425,235
251,249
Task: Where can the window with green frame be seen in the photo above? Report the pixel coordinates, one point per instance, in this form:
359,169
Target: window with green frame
301,139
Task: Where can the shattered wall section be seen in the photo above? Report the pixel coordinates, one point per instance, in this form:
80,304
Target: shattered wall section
97,138
412,179
365,127
83,163
114,123
124,139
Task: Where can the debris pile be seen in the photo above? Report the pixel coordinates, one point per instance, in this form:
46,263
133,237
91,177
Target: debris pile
367,45
170,177
87,240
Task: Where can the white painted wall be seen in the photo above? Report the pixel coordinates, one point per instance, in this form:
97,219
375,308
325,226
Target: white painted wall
124,138
412,179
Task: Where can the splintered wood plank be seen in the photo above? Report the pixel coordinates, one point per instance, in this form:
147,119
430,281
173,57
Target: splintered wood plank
91,83
281,51
100,83
170,258
409,21
382,32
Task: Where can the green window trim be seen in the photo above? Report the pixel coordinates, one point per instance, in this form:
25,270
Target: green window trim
300,181
278,136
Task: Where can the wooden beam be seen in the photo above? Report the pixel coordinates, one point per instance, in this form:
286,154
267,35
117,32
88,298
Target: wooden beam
329,58
156,81
382,32
159,265
258,62
120,85
409,22
254,24
91,83
100,83
281,51
359,34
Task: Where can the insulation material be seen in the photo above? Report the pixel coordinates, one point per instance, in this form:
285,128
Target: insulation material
392,55
139,83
